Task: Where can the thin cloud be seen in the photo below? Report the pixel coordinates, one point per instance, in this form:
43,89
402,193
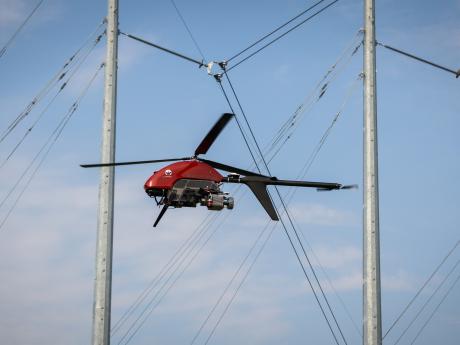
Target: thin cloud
348,282
317,214
12,12
338,257
399,281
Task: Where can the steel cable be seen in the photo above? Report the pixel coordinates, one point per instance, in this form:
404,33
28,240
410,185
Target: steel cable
431,63
303,174
60,74
186,248
240,267
44,111
436,309
164,270
46,147
201,63
141,319
294,120
262,247
289,217
281,220
421,288
15,34
427,302
275,30
188,29
282,35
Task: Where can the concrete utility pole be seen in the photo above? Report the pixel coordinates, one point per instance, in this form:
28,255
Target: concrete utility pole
103,281
371,269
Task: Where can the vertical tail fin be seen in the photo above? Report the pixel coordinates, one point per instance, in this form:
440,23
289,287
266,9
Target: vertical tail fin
260,191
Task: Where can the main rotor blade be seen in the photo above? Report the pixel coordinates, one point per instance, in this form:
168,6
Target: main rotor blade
213,134
275,182
231,169
133,162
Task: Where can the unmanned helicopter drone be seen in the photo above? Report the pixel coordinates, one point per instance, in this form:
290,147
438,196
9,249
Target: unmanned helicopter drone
195,180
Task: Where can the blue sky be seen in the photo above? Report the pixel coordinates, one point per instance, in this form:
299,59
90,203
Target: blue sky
166,105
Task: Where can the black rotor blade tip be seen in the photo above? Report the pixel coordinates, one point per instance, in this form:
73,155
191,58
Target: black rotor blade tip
114,164
350,186
214,132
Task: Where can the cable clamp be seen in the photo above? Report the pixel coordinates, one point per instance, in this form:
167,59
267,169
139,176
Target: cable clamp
209,67
356,49
98,38
223,64
218,77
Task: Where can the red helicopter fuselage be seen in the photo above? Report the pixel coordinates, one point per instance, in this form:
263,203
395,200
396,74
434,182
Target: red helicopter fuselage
187,183
166,177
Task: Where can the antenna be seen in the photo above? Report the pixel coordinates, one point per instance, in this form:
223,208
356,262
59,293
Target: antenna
372,315
103,280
